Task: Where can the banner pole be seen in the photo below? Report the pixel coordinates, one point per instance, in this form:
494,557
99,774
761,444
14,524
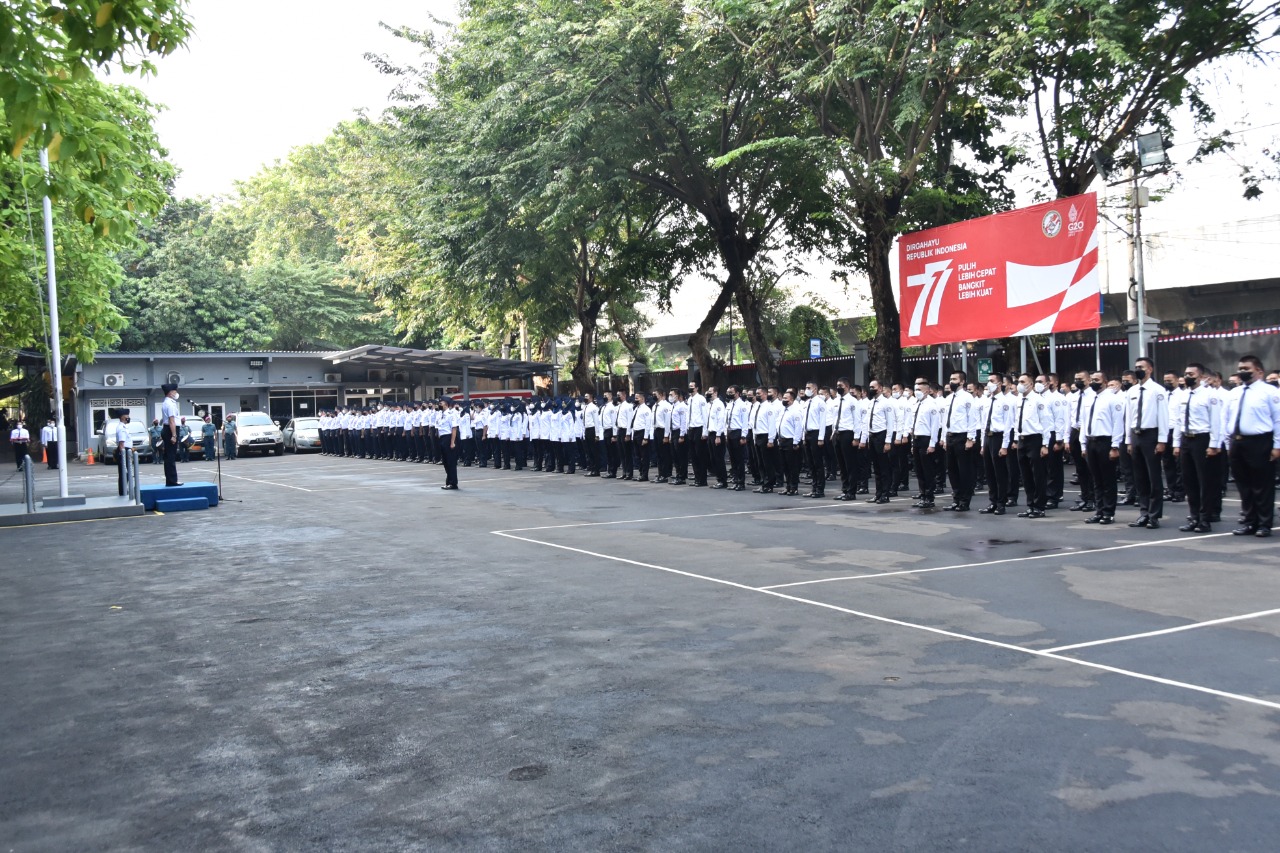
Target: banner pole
1097,349
1023,346
1053,352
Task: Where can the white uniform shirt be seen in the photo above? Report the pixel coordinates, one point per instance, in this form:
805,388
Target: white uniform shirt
1033,415
697,411
814,414
642,421
1200,412
792,425
591,417
961,415
737,415
1254,409
880,418
717,417
1104,416
1152,399
662,416
680,417
609,415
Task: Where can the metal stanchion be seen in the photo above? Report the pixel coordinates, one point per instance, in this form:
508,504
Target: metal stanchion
29,484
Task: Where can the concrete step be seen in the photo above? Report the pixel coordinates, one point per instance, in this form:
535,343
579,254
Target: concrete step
181,504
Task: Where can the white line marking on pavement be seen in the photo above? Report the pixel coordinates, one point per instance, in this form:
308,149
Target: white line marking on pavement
265,482
1040,653
1211,622
992,562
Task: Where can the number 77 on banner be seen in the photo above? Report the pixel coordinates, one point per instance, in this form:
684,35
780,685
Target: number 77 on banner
934,281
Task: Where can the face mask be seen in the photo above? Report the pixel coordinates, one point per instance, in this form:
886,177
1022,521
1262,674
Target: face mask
897,395
1140,373
1169,386
842,390
919,394
808,392
1079,384
770,398
1245,375
1039,387
955,386
1096,386
1190,380
1022,388
671,398
992,387
1126,385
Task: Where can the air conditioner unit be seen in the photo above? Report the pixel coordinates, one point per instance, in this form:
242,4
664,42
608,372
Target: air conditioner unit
174,378
333,377
377,374
113,380
399,376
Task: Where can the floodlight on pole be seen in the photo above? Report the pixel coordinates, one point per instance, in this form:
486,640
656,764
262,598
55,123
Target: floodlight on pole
1151,150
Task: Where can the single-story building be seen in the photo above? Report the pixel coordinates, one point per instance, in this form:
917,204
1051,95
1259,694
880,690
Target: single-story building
283,384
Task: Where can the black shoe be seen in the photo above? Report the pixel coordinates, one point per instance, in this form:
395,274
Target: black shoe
1051,505
738,487
1011,502
763,490
1129,500
884,500
843,497
1263,532
1031,513
1094,519
999,511
168,485
1140,522
449,488
1153,524
987,510
875,500
952,507
1247,530
720,486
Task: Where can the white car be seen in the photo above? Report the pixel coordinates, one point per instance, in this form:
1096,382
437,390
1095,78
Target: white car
256,431
302,434
107,441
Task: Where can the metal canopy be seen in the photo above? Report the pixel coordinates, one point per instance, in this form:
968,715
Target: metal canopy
445,361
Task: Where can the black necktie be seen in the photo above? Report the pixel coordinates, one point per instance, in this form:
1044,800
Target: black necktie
1240,411
1141,390
1186,420
1021,410
991,410
1092,407
839,410
915,420
871,418
950,409
1079,406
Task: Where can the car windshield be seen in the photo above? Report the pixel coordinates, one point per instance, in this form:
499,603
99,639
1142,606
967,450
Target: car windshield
134,428
254,419
306,423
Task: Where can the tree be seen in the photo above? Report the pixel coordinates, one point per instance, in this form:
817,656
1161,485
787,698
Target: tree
186,287
100,192
805,323
1098,71
893,90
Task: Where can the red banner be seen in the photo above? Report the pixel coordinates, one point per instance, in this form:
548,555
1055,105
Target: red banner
1025,272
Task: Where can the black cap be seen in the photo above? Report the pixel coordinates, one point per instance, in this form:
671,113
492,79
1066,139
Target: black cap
169,387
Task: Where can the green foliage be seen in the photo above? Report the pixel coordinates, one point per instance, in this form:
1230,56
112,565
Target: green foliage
49,49
804,323
98,203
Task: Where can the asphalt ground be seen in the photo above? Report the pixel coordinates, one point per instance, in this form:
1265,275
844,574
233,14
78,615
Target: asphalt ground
343,657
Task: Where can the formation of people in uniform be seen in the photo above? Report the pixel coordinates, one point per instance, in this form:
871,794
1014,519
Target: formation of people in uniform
1132,441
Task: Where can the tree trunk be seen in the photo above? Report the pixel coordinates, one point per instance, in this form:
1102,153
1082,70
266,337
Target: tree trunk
699,341
749,306
885,350
583,376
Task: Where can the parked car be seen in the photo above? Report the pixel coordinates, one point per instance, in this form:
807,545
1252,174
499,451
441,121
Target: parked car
302,434
256,431
107,441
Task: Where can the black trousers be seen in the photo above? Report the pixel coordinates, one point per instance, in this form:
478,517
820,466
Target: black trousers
1083,473
817,454
1054,474
1198,476
1255,478
1033,470
680,451
611,457
902,454
880,463
170,456
593,452
997,468
790,463
715,456
449,457
642,454
1148,471
120,468
846,458
663,448
768,472
737,454
960,467
628,456
753,458
926,474
1103,471
51,452
698,450
1173,469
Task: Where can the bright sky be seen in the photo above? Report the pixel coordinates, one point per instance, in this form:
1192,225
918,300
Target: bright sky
260,77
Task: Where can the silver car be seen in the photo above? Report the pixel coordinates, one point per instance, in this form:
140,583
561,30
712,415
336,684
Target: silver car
256,431
302,434
107,441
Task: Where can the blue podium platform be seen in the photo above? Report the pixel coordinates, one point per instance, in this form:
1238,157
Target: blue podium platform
152,493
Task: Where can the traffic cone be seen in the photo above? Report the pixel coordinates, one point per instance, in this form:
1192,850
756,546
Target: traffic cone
89,459
44,455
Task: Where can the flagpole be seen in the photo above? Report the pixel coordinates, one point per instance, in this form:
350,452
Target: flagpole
55,344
